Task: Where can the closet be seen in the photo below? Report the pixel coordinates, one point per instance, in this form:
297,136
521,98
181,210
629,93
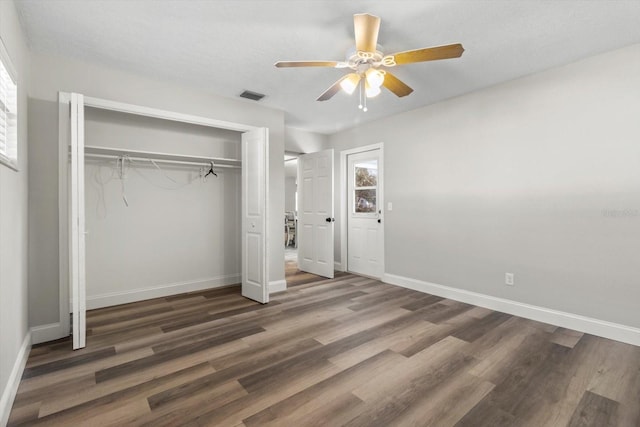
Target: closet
158,203
162,207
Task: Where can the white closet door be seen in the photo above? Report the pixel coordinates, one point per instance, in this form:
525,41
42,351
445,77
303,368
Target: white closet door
255,158
77,225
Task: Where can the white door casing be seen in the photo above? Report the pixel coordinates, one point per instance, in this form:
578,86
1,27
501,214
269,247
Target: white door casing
365,234
255,278
315,213
77,279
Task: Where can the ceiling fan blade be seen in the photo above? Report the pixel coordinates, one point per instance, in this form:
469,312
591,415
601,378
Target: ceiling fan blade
287,64
396,85
429,54
366,30
335,88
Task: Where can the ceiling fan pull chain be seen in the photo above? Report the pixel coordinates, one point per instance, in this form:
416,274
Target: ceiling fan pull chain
360,93
363,96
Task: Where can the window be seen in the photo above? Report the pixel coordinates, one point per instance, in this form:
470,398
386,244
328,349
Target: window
366,187
8,111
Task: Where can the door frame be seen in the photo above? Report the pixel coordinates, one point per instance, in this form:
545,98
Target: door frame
62,328
344,209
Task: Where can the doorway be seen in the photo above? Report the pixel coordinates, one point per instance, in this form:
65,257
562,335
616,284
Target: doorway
290,213
363,211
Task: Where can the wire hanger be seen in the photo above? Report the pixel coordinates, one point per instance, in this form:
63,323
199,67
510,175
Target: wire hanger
211,172
123,176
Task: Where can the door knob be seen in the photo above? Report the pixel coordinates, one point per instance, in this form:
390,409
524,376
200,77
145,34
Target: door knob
379,221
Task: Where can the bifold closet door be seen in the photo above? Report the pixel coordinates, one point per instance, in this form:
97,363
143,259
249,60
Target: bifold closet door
77,280
255,277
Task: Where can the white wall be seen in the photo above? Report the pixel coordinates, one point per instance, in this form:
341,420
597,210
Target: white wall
539,177
13,225
52,74
303,141
290,188
171,237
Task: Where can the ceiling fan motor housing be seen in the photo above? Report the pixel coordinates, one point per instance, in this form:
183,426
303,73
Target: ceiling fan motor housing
361,61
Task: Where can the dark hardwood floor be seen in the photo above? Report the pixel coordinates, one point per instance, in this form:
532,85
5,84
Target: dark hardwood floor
348,351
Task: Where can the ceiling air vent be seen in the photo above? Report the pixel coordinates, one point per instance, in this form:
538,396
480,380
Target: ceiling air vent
254,96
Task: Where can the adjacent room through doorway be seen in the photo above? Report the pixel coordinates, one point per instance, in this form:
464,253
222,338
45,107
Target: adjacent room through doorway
290,213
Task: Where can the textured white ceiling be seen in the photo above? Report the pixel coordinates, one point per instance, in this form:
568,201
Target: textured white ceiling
226,46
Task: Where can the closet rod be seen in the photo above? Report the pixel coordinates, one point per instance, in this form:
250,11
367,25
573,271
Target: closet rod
144,159
155,155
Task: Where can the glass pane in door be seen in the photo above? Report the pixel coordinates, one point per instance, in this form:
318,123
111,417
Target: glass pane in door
365,186
365,201
366,174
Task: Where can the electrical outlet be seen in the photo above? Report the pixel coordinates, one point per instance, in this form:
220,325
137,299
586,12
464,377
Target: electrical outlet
509,280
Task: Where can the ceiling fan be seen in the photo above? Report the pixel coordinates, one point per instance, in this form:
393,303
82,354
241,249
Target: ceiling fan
366,63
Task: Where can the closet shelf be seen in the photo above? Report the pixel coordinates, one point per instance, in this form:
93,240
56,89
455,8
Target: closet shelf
96,151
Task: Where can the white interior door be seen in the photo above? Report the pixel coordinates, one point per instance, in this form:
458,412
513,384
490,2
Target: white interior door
315,213
255,278
365,206
77,224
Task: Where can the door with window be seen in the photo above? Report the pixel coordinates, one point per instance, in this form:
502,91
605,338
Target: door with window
365,229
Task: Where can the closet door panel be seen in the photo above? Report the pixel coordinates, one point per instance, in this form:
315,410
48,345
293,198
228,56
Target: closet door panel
254,215
77,223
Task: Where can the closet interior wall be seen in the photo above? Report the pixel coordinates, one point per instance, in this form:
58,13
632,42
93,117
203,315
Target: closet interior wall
176,232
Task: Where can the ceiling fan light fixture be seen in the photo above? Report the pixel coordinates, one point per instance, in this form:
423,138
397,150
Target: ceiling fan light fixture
350,83
371,91
375,77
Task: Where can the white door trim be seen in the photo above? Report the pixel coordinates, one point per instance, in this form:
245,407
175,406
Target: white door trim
77,223
343,189
140,110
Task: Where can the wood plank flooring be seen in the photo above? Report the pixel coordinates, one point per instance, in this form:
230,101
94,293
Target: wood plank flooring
348,351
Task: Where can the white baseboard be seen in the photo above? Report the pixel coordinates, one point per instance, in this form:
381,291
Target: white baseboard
50,332
601,328
125,297
337,266
277,286
10,390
